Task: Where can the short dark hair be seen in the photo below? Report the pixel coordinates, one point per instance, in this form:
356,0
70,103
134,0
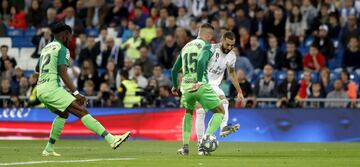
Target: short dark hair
314,45
207,25
124,73
229,35
60,27
4,46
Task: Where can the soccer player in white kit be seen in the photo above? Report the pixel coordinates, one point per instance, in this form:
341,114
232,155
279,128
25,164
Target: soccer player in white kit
223,58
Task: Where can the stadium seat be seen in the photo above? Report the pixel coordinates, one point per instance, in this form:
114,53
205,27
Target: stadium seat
280,75
30,32
334,76
12,32
355,77
166,73
315,76
92,32
21,42
26,61
100,71
299,75
28,73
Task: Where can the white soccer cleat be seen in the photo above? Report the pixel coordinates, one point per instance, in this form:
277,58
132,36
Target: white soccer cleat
227,130
47,154
120,139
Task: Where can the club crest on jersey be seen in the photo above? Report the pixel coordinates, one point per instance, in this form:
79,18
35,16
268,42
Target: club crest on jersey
217,56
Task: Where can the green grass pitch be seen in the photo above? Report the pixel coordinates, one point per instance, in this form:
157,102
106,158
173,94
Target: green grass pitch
163,154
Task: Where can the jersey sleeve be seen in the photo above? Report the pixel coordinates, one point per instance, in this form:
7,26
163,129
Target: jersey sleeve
205,55
175,71
232,59
62,56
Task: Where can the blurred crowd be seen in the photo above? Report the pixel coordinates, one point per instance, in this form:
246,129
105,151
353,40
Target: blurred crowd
122,50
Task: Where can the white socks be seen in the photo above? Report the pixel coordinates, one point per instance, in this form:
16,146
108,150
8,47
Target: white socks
200,119
224,123
200,123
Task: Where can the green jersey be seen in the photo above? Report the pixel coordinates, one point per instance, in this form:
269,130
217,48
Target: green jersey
52,55
193,54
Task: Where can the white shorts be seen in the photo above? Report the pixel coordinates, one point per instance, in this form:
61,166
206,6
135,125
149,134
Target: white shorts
217,90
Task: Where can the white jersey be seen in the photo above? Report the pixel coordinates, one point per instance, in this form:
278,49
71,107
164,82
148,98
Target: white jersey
218,63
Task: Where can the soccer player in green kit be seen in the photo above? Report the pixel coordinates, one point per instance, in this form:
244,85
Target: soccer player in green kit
193,60
52,66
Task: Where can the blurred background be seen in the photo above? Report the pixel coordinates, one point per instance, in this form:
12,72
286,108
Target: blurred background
297,63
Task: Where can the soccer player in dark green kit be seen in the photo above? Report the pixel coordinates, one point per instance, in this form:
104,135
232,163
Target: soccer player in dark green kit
52,67
193,60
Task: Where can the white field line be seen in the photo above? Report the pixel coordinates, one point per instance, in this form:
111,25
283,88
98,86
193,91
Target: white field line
57,147
64,161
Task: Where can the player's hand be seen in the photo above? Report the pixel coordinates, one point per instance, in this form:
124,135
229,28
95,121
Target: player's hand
81,99
241,98
175,91
196,87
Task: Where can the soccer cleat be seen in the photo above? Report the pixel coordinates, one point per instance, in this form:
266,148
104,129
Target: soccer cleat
229,130
201,150
53,153
183,151
120,139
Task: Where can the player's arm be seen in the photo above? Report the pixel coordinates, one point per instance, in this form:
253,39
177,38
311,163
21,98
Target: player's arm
234,79
62,67
204,57
235,82
174,74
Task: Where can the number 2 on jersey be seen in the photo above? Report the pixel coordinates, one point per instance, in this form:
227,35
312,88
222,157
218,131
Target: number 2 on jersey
45,61
190,62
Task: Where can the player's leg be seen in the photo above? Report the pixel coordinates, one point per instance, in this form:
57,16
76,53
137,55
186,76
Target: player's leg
209,100
200,122
216,119
95,126
56,128
225,104
189,103
225,128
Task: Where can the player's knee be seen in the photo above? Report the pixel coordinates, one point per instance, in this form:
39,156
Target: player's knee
83,112
219,109
64,115
190,112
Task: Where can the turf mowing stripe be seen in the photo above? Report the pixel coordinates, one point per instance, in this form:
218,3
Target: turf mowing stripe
64,161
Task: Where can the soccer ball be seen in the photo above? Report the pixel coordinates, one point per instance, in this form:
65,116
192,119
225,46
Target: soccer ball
209,143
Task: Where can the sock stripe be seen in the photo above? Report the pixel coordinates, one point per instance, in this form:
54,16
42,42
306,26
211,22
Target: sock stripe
52,141
105,133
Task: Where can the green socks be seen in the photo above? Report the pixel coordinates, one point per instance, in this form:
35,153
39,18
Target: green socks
214,123
187,125
97,128
56,128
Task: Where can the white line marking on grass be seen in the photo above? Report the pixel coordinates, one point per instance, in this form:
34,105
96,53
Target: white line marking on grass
58,147
64,161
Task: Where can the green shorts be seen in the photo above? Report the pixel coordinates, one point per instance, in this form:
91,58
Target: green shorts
57,99
205,96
